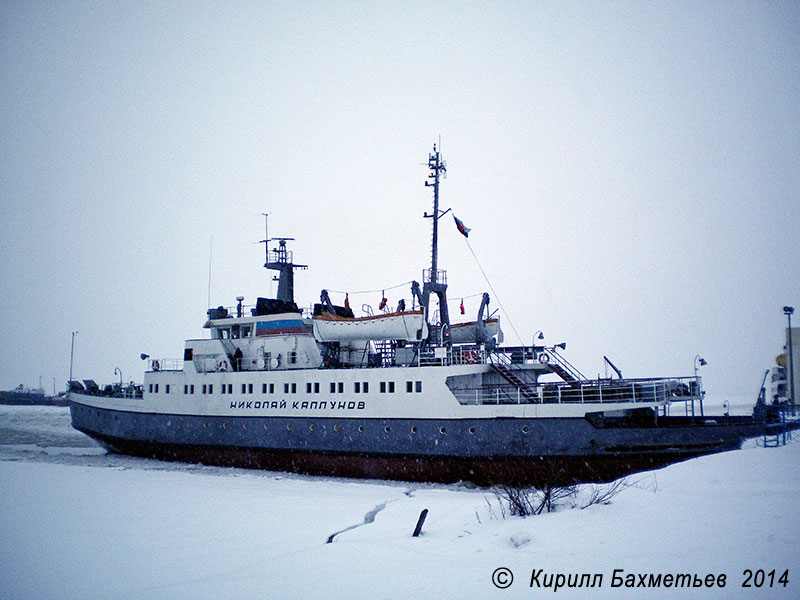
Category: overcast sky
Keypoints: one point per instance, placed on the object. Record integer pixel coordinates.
(630, 172)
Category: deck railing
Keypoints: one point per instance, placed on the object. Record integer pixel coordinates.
(166, 364)
(649, 391)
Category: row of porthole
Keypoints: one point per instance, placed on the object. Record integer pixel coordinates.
(313, 427)
(336, 427)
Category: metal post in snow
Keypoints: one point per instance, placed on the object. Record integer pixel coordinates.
(420, 522)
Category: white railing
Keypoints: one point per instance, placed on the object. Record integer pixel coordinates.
(646, 391)
(166, 364)
(446, 356)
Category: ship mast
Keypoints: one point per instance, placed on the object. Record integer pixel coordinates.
(280, 259)
(434, 280)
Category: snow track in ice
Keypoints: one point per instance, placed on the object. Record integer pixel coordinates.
(368, 518)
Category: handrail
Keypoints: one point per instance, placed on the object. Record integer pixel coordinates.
(505, 361)
(165, 364)
(604, 391)
(553, 355)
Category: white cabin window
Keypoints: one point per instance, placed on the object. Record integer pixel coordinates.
(292, 358)
(419, 387)
(357, 387)
(246, 330)
(391, 387)
(365, 387)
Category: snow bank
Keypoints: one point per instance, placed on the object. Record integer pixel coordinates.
(154, 530)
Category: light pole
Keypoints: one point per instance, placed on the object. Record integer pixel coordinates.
(118, 370)
(788, 310)
(699, 361)
(72, 354)
(536, 336)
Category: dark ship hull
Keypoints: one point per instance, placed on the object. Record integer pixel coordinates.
(498, 451)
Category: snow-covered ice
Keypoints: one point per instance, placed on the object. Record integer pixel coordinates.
(78, 523)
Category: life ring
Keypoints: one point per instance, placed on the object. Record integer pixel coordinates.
(544, 358)
(223, 365)
(156, 366)
(471, 357)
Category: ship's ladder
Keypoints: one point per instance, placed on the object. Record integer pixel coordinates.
(778, 430)
(560, 366)
(500, 364)
(387, 351)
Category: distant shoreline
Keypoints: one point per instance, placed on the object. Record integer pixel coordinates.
(17, 399)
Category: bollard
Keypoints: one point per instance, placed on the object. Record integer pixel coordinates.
(420, 522)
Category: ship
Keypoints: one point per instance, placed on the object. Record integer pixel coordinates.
(398, 393)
